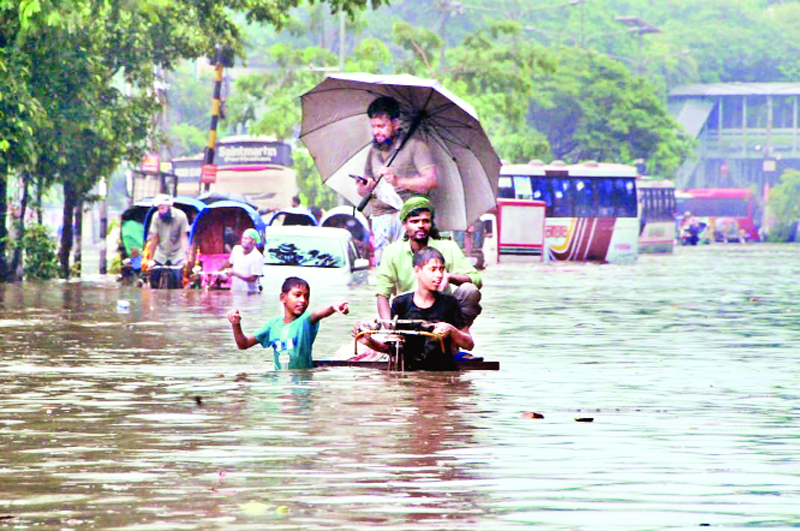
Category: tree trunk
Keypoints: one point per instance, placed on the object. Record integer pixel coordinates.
(77, 257)
(15, 272)
(103, 229)
(66, 229)
(3, 210)
(39, 210)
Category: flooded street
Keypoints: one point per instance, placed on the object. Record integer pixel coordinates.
(687, 364)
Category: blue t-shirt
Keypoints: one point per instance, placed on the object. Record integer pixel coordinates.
(291, 342)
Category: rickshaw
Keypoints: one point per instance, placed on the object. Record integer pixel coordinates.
(215, 231)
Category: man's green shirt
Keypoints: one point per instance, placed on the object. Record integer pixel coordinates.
(396, 272)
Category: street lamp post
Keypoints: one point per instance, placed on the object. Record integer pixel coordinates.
(640, 27)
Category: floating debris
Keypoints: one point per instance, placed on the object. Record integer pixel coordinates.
(532, 415)
(198, 400)
(584, 419)
(253, 508)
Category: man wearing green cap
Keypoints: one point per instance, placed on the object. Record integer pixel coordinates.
(245, 264)
(396, 271)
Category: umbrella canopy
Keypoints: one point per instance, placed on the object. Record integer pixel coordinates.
(337, 133)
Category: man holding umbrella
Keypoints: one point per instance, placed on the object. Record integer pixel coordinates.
(412, 171)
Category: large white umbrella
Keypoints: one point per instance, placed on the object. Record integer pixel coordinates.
(337, 133)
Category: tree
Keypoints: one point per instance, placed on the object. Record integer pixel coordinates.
(497, 70)
(20, 113)
(591, 108)
(81, 50)
(784, 207)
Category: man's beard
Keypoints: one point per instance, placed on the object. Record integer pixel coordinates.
(165, 217)
(423, 240)
(387, 142)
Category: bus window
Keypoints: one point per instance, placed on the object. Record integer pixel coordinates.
(605, 197)
(585, 198)
(630, 198)
(624, 198)
(522, 187)
(542, 192)
(563, 197)
(505, 188)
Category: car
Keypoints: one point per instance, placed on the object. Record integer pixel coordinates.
(323, 256)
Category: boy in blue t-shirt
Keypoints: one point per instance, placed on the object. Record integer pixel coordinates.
(292, 335)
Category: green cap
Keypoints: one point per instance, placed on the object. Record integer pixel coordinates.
(253, 233)
(415, 203)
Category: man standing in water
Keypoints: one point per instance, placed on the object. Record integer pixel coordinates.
(246, 263)
(168, 242)
(412, 171)
(396, 271)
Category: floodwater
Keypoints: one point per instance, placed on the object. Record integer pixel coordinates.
(687, 364)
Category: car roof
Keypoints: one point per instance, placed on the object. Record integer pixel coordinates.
(306, 230)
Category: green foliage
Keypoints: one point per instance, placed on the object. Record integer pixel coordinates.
(269, 102)
(63, 114)
(784, 206)
(309, 181)
(593, 109)
(423, 47)
(496, 70)
(187, 139)
(371, 55)
(39, 253)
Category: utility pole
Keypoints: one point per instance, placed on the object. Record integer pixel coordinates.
(222, 58)
(640, 27)
(341, 39)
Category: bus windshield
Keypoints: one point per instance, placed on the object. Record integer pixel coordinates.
(584, 197)
(715, 207)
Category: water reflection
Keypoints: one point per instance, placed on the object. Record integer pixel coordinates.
(138, 420)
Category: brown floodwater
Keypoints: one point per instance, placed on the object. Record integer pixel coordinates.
(687, 365)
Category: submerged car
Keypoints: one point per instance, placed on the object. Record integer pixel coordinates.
(322, 256)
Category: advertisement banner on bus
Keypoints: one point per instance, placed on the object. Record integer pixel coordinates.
(249, 152)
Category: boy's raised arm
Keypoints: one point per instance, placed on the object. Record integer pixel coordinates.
(327, 311)
(242, 341)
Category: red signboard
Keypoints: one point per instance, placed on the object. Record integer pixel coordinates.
(208, 173)
(151, 163)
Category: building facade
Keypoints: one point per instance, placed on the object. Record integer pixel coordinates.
(746, 134)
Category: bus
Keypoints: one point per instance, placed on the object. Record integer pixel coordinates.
(260, 168)
(657, 212)
(729, 212)
(590, 208)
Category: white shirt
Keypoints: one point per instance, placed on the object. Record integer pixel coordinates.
(248, 264)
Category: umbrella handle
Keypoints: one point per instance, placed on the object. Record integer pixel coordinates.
(363, 204)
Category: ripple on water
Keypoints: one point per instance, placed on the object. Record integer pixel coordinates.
(685, 363)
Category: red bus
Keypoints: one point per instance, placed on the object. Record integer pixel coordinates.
(731, 212)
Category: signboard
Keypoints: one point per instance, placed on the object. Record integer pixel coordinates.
(150, 163)
(208, 173)
(188, 169)
(249, 152)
